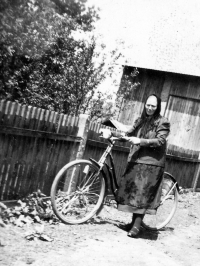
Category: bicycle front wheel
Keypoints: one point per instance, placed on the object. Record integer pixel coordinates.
(167, 207)
(77, 192)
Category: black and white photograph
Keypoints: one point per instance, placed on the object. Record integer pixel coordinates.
(99, 132)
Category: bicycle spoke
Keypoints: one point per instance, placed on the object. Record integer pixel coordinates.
(166, 209)
(78, 192)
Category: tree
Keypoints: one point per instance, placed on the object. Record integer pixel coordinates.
(129, 83)
(41, 62)
(77, 10)
(101, 106)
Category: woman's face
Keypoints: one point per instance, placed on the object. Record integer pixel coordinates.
(151, 105)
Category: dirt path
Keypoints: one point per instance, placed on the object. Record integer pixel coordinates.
(102, 242)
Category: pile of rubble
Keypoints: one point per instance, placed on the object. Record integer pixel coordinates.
(32, 212)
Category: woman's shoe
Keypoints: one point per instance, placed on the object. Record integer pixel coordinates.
(134, 232)
(126, 227)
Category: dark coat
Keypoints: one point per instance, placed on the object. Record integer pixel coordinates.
(152, 148)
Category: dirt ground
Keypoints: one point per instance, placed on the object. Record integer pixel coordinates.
(102, 242)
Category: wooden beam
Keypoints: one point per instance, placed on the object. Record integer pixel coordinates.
(180, 158)
(37, 134)
(104, 145)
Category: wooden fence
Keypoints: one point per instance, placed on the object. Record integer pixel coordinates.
(35, 143)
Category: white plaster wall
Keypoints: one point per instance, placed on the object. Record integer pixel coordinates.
(157, 34)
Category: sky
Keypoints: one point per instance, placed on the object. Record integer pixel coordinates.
(156, 34)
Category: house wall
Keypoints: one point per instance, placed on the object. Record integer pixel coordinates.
(149, 82)
(180, 96)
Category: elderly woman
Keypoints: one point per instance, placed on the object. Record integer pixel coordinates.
(140, 185)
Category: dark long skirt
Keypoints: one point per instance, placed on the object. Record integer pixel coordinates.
(140, 188)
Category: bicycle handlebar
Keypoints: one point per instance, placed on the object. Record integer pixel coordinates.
(112, 138)
(106, 134)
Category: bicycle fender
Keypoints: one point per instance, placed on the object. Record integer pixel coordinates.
(103, 172)
(106, 176)
(111, 180)
(171, 176)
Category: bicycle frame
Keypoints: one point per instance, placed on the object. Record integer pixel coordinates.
(111, 170)
(78, 205)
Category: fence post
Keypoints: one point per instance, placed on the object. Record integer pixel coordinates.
(83, 128)
(196, 177)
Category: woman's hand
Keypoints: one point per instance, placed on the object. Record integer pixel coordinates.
(133, 140)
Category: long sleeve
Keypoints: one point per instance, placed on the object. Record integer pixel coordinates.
(131, 131)
(159, 140)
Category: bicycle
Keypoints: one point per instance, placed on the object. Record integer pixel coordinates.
(80, 188)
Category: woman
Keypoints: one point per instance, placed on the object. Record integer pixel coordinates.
(140, 186)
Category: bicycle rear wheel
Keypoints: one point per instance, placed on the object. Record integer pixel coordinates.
(167, 207)
(77, 192)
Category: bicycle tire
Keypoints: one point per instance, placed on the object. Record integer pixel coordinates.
(166, 210)
(77, 192)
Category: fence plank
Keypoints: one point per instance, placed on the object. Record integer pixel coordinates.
(30, 157)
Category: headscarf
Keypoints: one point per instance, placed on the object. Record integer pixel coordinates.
(145, 122)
